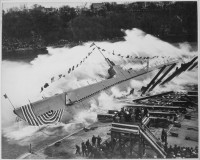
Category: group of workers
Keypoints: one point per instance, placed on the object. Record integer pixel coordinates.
(97, 149)
(130, 115)
(91, 149)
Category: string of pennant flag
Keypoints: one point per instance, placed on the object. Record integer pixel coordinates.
(71, 69)
(134, 57)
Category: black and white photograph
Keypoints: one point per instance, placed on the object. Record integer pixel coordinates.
(99, 79)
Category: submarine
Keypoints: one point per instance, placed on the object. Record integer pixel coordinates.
(58, 108)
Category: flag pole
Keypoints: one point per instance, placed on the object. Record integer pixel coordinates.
(11, 104)
(29, 101)
(106, 59)
(100, 51)
(9, 101)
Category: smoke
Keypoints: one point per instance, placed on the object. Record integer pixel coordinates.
(23, 81)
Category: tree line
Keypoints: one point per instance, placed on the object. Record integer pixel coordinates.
(103, 23)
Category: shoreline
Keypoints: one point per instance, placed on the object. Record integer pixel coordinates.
(28, 54)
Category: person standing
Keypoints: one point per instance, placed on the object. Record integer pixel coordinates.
(163, 135)
(107, 145)
(117, 118)
(137, 113)
(142, 113)
(122, 118)
(93, 140)
(78, 150)
(87, 143)
(83, 148)
(99, 141)
(133, 118)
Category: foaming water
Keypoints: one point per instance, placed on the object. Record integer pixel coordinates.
(23, 81)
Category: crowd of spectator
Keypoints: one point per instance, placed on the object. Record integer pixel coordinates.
(96, 149)
(181, 152)
(13, 44)
(66, 43)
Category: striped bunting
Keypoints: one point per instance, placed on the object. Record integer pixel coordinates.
(47, 118)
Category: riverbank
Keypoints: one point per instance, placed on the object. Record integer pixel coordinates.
(23, 54)
(28, 54)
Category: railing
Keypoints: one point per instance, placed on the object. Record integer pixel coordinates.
(144, 130)
(147, 129)
(153, 138)
(153, 143)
